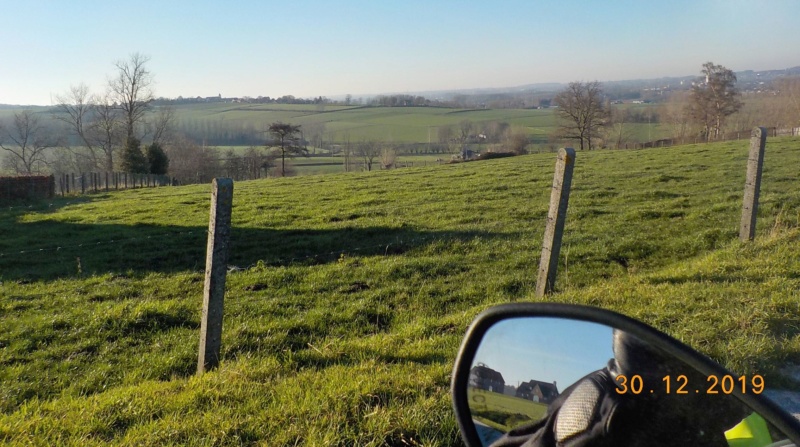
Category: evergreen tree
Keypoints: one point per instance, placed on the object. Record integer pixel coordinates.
(288, 144)
(133, 160)
(157, 159)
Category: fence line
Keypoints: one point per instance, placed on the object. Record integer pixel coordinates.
(369, 212)
(280, 260)
(734, 135)
(69, 183)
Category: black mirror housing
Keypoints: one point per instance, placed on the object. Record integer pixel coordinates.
(465, 368)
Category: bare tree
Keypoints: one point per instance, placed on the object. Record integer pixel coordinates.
(94, 120)
(516, 140)
(347, 151)
(445, 134)
(161, 125)
(447, 138)
(618, 130)
(582, 112)
(248, 166)
(465, 128)
(315, 132)
(368, 150)
(388, 158)
(495, 131)
(257, 162)
(285, 140)
(26, 142)
(131, 89)
(234, 166)
(75, 110)
(789, 92)
(676, 114)
(715, 99)
(191, 163)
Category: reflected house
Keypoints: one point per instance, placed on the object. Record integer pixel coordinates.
(485, 378)
(537, 391)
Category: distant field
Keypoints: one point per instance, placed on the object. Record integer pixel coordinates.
(386, 124)
(398, 125)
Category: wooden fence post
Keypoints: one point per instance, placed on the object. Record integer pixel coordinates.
(755, 163)
(556, 216)
(219, 232)
(83, 183)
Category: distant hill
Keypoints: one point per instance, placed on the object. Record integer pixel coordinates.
(746, 79)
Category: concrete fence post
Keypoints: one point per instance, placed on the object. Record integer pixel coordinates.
(556, 217)
(752, 185)
(217, 250)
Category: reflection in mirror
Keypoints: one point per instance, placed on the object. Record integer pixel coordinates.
(556, 381)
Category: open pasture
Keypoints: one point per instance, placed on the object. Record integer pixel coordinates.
(348, 294)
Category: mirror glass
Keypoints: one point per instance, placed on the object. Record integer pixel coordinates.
(571, 381)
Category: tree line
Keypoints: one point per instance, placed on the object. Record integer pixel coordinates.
(713, 106)
(116, 129)
(124, 129)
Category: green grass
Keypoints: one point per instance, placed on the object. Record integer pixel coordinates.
(390, 125)
(398, 125)
(348, 294)
(501, 411)
(386, 124)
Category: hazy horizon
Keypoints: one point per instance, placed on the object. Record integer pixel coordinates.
(312, 48)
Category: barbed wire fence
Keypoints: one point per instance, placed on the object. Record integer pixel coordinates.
(515, 230)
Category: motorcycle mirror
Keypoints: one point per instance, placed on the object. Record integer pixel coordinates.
(537, 374)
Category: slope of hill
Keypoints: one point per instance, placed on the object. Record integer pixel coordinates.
(348, 294)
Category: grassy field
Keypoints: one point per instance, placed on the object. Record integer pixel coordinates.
(390, 125)
(348, 294)
(386, 124)
(501, 411)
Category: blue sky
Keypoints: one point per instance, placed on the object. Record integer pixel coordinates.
(329, 48)
(545, 349)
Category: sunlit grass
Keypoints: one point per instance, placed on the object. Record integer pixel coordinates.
(348, 294)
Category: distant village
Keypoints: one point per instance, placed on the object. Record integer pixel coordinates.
(484, 378)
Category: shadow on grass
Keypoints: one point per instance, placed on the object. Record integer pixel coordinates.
(14, 208)
(709, 278)
(49, 250)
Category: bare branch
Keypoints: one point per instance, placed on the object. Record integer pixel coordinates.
(28, 141)
(132, 90)
(582, 112)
